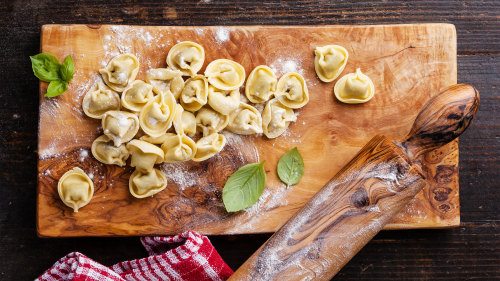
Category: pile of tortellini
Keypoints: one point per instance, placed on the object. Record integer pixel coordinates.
(151, 120)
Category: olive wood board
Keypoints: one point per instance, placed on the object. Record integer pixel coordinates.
(407, 63)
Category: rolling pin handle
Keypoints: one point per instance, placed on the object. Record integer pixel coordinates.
(442, 119)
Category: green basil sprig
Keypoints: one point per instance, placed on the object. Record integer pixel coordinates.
(244, 187)
(291, 167)
(47, 68)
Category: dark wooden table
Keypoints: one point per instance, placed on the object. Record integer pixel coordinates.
(468, 252)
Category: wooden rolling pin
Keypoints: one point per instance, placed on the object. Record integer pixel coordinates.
(361, 198)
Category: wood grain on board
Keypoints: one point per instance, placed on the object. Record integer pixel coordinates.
(407, 63)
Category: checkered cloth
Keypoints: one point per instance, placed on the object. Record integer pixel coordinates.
(195, 259)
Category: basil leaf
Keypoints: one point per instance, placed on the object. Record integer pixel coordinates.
(67, 69)
(45, 67)
(291, 167)
(244, 187)
(56, 88)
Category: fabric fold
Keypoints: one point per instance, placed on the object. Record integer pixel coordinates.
(187, 256)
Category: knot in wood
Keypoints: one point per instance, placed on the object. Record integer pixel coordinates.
(360, 198)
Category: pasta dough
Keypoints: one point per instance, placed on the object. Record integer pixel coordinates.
(184, 121)
(187, 57)
(99, 100)
(120, 71)
(261, 84)
(146, 184)
(120, 126)
(155, 140)
(330, 61)
(275, 118)
(292, 90)
(245, 120)
(75, 189)
(166, 80)
(354, 88)
(210, 121)
(136, 95)
(208, 146)
(144, 155)
(157, 116)
(195, 93)
(223, 101)
(178, 148)
(105, 152)
(225, 74)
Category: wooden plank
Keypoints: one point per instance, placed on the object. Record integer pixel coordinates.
(477, 22)
(408, 63)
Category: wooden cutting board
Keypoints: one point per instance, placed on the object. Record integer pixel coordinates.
(407, 63)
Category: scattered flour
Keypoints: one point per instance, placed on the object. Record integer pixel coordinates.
(270, 198)
(246, 150)
(283, 65)
(49, 152)
(198, 31)
(180, 174)
(83, 154)
(222, 35)
(16, 116)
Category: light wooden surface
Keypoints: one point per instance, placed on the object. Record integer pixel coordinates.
(407, 63)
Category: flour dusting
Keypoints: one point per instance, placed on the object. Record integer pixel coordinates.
(222, 35)
(83, 154)
(181, 174)
(246, 150)
(284, 65)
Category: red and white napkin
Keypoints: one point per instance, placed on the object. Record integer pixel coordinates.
(195, 259)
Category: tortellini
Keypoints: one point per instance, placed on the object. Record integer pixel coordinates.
(155, 140)
(275, 118)
(145, 184)
(184, 121)
(187, 57)
(120, 71)
(208, 146)
(157, 116)
(354, 88)
(166, 80)
(195, 93)
(330, 61)
(105, 152)
(245, 120)
(159, 119)
(120, 126)
(136, 95)
(223, 101)
(261, 84)
(292, 90)
(178, 148)
(225, 74)
(210, 121)
(144, 155)
(99, 100)
(75, 189)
